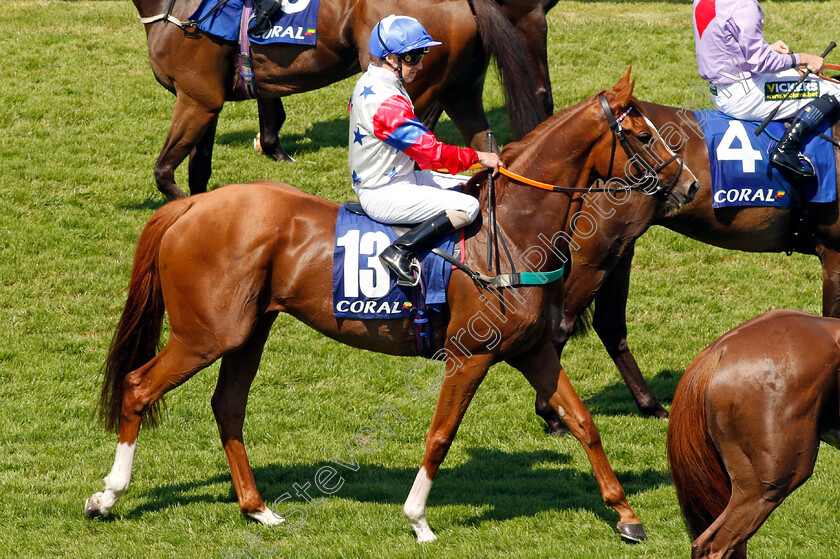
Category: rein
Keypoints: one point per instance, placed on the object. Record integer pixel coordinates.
(515, 279)
(618, 138)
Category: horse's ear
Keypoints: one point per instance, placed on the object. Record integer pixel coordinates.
(623, 90)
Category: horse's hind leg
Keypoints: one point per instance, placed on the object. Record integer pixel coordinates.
(765, 466)
(190, 121)
(201, 159)
(456, 392)
(229, 400)
(272, 116)
(142, 388)
(543, 370)
(610, 323)
(830, 260)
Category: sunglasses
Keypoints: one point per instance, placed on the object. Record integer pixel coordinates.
(413, 57)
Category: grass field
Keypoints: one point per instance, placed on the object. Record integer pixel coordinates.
(81, 123)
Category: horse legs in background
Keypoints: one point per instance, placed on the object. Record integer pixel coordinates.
(201, 159)
(609, 321)
(191, 121)
(543, 370)
(141, 389)
(462, 101)
(237, 371)
(272, 116)
(533, 32)
(830, 260)
(456, 392)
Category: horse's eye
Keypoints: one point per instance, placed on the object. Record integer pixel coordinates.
(645, 137)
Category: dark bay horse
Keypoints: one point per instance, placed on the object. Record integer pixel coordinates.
(746, 423)
(201, 71)
(223, 294)
(600, 270)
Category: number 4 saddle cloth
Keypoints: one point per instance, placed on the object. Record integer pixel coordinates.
(363, 288)
(740, 163)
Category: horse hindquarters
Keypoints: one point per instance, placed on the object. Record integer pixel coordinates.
(701, 483)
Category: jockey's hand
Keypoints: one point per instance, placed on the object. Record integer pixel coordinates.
(490, 160)
(813, 62)
(780, 47)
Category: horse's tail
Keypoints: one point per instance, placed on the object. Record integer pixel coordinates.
(500, 39)
(138, 332)
(702, 484)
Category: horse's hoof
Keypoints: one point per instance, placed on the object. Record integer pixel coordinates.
(558, 431)
(632, 532)
(173, 193)
(92, 509)
(267, 517)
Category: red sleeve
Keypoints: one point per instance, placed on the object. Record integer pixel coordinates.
(396, 124)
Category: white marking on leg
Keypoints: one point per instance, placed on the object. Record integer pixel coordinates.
(415, 506)
(116, 482)
(267, 517)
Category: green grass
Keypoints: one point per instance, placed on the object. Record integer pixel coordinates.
(82, 121)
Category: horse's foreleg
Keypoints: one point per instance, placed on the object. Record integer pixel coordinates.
(610, 323)
(142, 388)
(190, 121)
(543, 370)
(831, 281)
(201, 159)
(272, 116)
(229, 400)
(456, 392)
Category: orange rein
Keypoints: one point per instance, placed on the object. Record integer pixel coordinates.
(531, 182)
(828, 66)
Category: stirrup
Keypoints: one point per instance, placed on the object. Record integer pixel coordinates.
(415, 282)
(805, 163)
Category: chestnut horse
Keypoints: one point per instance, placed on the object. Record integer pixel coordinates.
(222, 295)
(781, 372)
(201, 71)
(600, 270)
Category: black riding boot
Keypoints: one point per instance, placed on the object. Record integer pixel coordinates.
(786, 153)
(399, 255)
(264, 11)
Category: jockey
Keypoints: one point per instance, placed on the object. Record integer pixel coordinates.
(745, 72)
(387, 140)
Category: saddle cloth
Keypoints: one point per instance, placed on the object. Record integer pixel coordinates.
(742, 174)
(296, 23)
(363, 288)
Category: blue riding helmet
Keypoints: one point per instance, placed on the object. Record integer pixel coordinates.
(399, 35)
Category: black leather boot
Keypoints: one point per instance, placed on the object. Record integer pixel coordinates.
(786, 152)
(264, 11)
(399, 255)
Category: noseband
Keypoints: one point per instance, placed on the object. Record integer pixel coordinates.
(639, 163)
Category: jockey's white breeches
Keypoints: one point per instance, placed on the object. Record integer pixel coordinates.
(416, 197)
(756, 97)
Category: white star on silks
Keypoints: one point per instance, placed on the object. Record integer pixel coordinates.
(366, 91)
(357, 136)
(356, 178)
(392, 174)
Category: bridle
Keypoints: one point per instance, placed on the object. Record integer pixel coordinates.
(635, 157)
